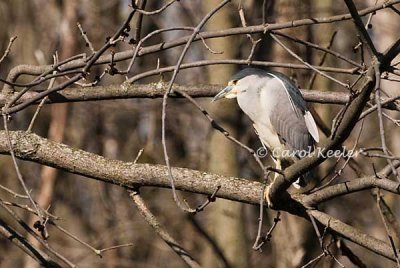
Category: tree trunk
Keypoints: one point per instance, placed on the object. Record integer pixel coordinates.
(224, 218)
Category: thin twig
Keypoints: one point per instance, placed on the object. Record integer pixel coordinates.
(322, 60)
(260, 219)
(74, 237)
(253, 42)
(35, 115)
(8, 49)
(260, 241)
(16, 238)
(139, 21)
(219, 128)
(366, 39)
(209, 200)
(144, 39)
(157, 11)
(116, 247)
(37, 237)
(161, 231)
(30, 210)
(13, 193)
(327, 49)
(375, 107)
(18, 172)
(378, 201)
(379, 112)
(316, 259)
(139, 154)
(164, 103)
(158, 71)
(84, 35)
(320, 238)
(306, 63)
(218, 251)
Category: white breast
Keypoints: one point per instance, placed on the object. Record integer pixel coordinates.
(270, 138)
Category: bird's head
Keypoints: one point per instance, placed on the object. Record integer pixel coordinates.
(229, 92)
(239, 83)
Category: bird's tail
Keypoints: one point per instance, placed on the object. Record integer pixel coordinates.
(307, 181)
(304, 180)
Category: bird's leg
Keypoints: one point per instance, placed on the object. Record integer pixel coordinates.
(266, 196)
(268, 188)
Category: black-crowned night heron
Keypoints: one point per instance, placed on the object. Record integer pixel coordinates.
(279, 114)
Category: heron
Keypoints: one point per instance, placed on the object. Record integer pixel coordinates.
(279, 114)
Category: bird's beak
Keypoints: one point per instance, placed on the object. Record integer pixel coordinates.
(222, 93)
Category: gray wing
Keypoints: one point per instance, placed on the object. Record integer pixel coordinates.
(291, 129)
(290, 115)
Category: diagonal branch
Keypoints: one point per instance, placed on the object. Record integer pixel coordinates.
(353, 234)
(42, 258)
(390, 54)
(161, 231)
(365, 38)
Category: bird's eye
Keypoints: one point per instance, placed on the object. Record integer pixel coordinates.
(234, 82)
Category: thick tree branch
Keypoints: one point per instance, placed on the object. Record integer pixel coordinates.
(352, 186)
(390, 54)
(354, 234)
(154, 90)
(31, 147)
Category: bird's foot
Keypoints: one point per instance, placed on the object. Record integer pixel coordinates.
(266, 196)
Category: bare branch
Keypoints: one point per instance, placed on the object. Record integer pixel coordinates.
(159, 71)
(352, 186)
(384, 220)
(18, 172)
(366, 39)
(32, 232)
(218, 251)
(34, 148)
(353, 234)
(8, 49)
(306, 63)
(161, 231)
(85, 37)
(127, 91)
(157, 11)
(165, 98)
(16, 238)
(79, 61)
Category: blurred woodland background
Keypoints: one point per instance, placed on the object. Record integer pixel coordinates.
(103, 215)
